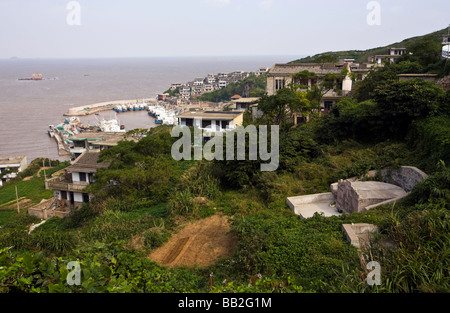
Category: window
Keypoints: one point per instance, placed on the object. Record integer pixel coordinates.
(328, 105)
(189, 121)
(85, 198)
(225, 124)
(206, 123)
(83, 177)
(279, 84)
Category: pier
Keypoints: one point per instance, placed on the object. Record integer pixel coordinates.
(103, 106)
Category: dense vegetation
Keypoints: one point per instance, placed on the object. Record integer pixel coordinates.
(363, 55)
(146, 194)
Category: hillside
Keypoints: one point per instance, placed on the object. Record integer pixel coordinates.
(362, 55)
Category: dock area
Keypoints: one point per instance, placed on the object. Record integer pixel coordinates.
(103, 106)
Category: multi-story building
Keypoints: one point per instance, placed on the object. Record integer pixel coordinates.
(11, 166)
(223, 83)
(211, 79)
(392, 54)
(69, 190)
(185, 92)
(261, 71)
(211, 122)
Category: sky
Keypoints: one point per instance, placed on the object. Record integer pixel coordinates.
(172, 28)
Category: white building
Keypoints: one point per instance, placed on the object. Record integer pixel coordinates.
(211, 79)
(261, 71)
(185, 92)
(223, 83)
(11, 166)
(69, 190)
(211, 121)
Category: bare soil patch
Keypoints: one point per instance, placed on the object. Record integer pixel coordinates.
(201, 242)
(23, 204)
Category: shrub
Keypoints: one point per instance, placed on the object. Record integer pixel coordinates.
(58, 242)
(182, 204)
(155, 237)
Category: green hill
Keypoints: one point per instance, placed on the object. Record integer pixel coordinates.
(362, 55)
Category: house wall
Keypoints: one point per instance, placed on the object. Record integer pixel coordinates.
(238, 121)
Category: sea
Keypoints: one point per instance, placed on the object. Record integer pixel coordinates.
(28, 107)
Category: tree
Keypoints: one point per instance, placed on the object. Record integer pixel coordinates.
(279, 108)
(426, 51)
(401, 102)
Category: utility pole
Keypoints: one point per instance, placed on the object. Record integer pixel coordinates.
(43, 166)
(17, 200)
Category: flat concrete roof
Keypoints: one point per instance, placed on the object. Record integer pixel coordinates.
(246, 100)
(11, 160)
(100, 138)
(307, 206)
(216, 115)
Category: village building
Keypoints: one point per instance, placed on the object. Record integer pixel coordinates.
(392, 54)
(211, 122)
(261, 71)
(244, 104)
(69, 189)
(94, 141)
(223, 83)
(211, 79)
(175, 86)
(198, 81)
(281, 76)
(11, 166)
(185, 92)
(208, 88)
(446, 47)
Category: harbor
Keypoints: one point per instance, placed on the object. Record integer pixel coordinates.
(105, 106)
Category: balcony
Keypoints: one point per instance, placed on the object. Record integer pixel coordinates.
(65, 184)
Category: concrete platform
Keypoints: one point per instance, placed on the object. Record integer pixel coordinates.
(307, 206)
(360, 235)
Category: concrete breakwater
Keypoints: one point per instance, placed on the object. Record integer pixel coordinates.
(103, 106)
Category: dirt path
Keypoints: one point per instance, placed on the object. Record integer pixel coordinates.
(202, 242)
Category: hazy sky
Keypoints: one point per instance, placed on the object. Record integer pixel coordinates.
(146, 28)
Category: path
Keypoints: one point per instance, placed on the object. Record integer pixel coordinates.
(202, 242)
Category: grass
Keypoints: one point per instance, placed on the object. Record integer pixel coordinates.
(5, 216)
(33, 189)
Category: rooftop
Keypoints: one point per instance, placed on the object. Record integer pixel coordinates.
(290, 69)
(11, 160)
(217, 115)
(250, 100)
(100, 138)
(87, 162)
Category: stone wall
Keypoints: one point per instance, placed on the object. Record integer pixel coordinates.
(357, 196)
(406, 177)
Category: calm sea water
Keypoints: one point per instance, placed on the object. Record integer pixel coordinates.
(28, 107)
